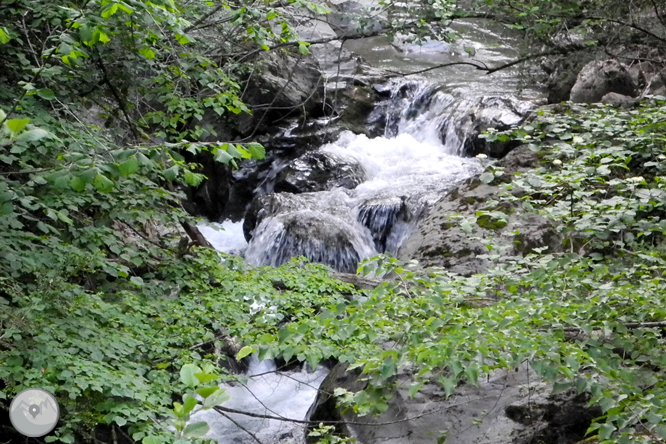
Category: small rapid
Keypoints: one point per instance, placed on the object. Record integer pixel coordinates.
(424, 153)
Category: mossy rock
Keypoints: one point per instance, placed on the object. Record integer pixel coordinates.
(490, 223)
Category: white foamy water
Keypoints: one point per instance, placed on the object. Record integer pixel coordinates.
(403, 166)
(226, 237)
(270, 393)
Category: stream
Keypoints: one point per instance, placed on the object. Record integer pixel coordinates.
(417, 161)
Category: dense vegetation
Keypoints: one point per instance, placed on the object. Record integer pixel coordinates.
(107, 300)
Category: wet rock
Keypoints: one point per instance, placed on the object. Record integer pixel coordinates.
(211, 197)
(599, 78)
(500, 113)
(320, 237)
(506, 408)
(619, 100)
(443, 240)
(657, 84)
(319, 171)
(265, 206)
(380, 216)
(319, 226)
(562, 75)
(282, 85)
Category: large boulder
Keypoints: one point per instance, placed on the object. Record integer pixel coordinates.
(441, 240)
(320, 226)
(599, 78)
(282, 85)
(657, 84)
(319, 171)
(479, 115)
(505, 408)
(320, 237)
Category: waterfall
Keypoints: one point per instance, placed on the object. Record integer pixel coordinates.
(414, 164)
(269, 392)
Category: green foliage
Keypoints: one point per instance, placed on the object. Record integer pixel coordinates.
(589, 318)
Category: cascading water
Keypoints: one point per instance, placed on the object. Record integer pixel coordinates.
(419, 159)
(266, 392)
(416, 162)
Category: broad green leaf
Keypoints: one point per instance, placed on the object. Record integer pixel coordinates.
(190, 402)
(103, 184)
(606, 430)
(152, 440)
(136, 280)
(206, 377)
(171, 173)
(219, 397)
(257, 151)
(32, 135)
(222, 156)
(187, 373)
(147, 53)
(487, 177)
(245, 351)
(205, 392)
(193, 179)
(129, 167)
(46, 94)
(196, 429)
(4, 36)
(16, 125)
(77, 183)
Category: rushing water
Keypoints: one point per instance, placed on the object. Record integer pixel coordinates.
(266, 392)
(417, 161)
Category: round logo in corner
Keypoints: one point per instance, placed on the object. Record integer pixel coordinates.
(34, 412)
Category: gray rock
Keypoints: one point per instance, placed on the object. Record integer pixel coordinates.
(442, 242)
(282, 85)
(506, 408)
(320, 237)
(657, 84)
(319, 171)
(619, 100)
(599, 78)
(265, 206)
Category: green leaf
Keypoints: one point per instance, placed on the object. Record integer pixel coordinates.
(206, 377)
(190, 403)
(187, 373)
(103, 184)
(136, 280)
(303, 48)
(152, 440)
(6, 208)
(147, 53)
(415, 387)
(205, 392)
(129, 167)
(487, 177)
(606, 430)
(245, 351)
(46, 94)
(196, 429)
(222, 156)
(32, 135)
(193, 179)
(4, 36)
(219, 397)
(257, 151)
(171, 173)
(16, 125)
(77, 183)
